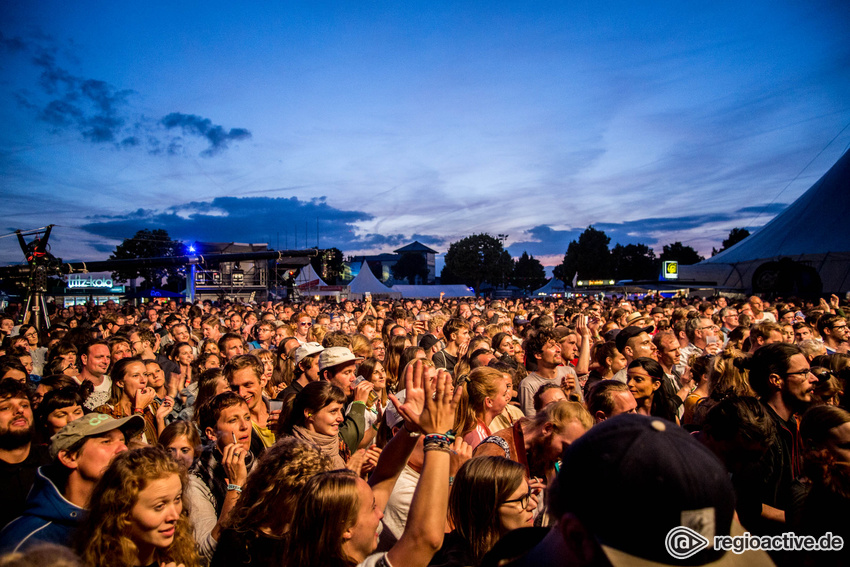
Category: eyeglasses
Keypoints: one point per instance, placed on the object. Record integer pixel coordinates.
(834, 327)
(805, 372)
(523, 500)
(305, 324)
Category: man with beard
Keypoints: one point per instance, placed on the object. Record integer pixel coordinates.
(81, 453)
(537, 442)
(543, 350)
(781, 377)
(19, 457)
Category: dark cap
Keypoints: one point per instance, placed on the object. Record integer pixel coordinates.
(625, 334)
(642, 477)
(428, 341)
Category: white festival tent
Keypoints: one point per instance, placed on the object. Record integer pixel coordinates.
(308, 282)
(307, 279)
(553, 286)
(433, 291)
(804, 250)
(367, 282)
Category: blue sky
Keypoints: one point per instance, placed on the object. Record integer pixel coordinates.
(385, 122)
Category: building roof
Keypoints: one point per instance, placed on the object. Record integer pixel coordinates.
(415, 246)
(228, 247)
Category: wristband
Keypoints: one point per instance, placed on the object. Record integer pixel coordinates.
(358, 402)
(437, 442)
(234, 488)
(139, 410)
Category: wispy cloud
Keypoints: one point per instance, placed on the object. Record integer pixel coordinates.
(216, 135)
(102, 113)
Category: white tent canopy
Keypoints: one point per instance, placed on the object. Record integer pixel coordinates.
(433, 291)
(367, 282)
(308, 280)
(804, 247)
(554, 285)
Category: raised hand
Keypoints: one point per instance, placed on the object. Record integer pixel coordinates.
(233, 460)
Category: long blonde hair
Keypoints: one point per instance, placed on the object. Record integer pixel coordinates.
(102, 539)
(482, 383)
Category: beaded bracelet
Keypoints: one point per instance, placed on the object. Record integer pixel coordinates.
(437, 441)
(432, 437)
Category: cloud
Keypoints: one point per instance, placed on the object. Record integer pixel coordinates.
(216, 135)
(102, 113)
(281, 222)
(12, 44)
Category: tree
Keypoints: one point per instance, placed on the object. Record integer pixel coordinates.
(476, 259)
(677, 251)
(328, 264)
(528, 273)
(736, 235)
(588, 257)
(148, 244)
(410, 266)
(634, 262)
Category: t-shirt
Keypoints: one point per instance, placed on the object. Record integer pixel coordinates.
(264, 433)
(445, 360)
(398, 505)
(529, 386)
(17, 480)
(100, 395)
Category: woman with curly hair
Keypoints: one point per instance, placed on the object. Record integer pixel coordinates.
(136, 515)
(255, 533)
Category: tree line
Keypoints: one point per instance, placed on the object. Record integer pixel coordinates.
(482, 258)
(477, 261)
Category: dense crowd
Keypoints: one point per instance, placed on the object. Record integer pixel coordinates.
(537, 432)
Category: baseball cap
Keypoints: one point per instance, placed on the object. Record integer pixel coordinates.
(625, 334)
(643, 477)
(427, 341)
(306, 350)
(92, 425)
(335, 356)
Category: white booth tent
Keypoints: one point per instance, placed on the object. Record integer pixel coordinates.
(553, 286)
(433, 291)
(308, 282)
(805, 249)
(367, 282)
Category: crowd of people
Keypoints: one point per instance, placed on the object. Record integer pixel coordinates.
(452, 432)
